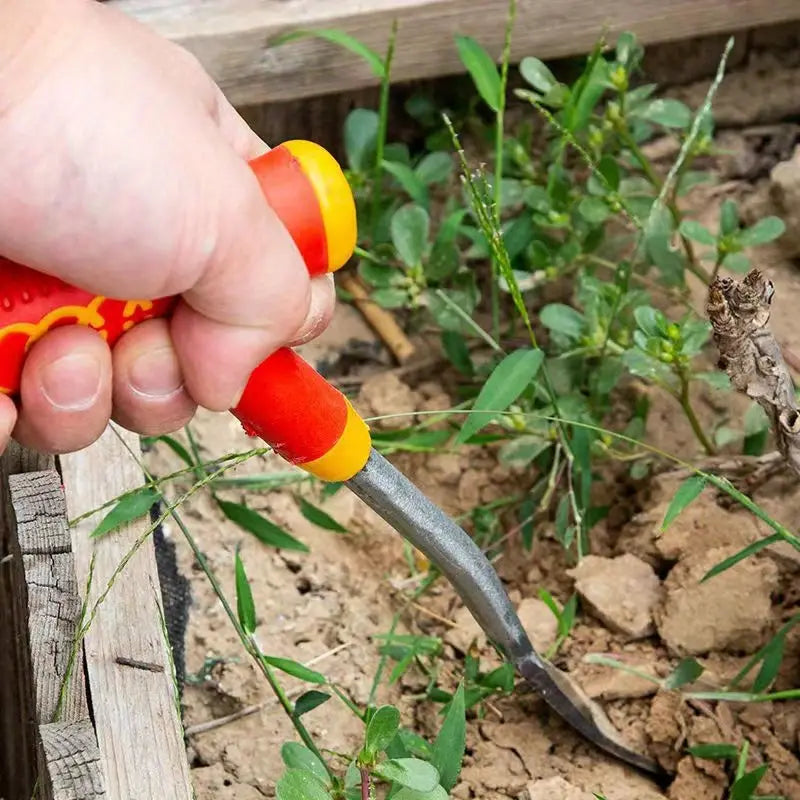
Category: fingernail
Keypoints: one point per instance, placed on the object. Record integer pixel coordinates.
(323, 299)
(72, 382)
(156, 373)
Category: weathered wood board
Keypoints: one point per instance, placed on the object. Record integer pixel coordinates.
(17, 723)
(231, 38)
(128, 666)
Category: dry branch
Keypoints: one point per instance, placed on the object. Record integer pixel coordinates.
(739, 313)
(381, 321)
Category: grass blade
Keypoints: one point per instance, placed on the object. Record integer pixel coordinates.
(508, 381)
(264, 530)
(448, 749)
(319, 517)
(245, 607)
(130, 507)
(687, 493)
(343, 40)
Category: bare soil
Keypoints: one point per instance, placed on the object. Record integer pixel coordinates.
(642, 600)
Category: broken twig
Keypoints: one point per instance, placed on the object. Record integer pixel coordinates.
(739, 313)
(382, 322)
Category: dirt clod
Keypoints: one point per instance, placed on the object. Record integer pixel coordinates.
(539, 622)
(608, 683)
(621, 592)
(465, 632)
(385, 395)
(730, 612)
(691, 782)
(554, 789)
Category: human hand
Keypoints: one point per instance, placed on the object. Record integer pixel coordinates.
(124, 172)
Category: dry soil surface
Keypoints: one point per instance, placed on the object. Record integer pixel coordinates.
(642, 602)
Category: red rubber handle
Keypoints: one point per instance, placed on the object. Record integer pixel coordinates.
(286, 402)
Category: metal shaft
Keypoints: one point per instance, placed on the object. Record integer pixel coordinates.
(388, 492)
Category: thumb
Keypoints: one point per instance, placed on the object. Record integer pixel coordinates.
(252, 296)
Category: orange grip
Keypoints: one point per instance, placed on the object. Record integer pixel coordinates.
(286, 402)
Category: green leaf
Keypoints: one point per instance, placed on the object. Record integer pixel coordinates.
(245, 607)
(609, 169)
(728, 217)
(410, 794)
(409, 180)
(298, 756)
(687, 493)
(130, 507)
(482, 69)
(409, 229)
(295, 669)
(650, 320)
(717, 380)
(659, 247)
(714, 751)
(594, 210)
(771, 663)
(455, 347)
(522, 450)
(693, 230)
(508, 381)
(736, 262)
(264, 530)
(296, 784)
(563, 319)
(537, 74)
(412, 773)
(687, 671)
(667, 112)
(379, 275)
(434, 167)
(448, 749)
(319, 517)
(756, 430)
(745, 787)
(343, 40)
(360, 138)
(389, 298)
(310, 700)
(443, 261)
(744, 553)
(765, 230)
(382, 728)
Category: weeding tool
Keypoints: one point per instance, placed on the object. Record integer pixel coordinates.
(310, 423)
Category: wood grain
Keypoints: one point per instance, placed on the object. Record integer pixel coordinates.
(138, 729)
(69, 749)
(231, 38)
(17, 723)
(54, 603)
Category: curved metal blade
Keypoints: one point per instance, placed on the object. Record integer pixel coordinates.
(388, 492)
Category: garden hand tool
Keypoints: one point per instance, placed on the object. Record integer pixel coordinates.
(309, 422)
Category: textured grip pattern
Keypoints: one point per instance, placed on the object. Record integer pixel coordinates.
(286, 402)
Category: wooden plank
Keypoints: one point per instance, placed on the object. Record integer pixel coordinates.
(231, 37)
(54, 603)
(72, 772)
(17, 722)
(139, 734)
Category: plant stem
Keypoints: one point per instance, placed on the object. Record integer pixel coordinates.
(715, 271)
(383, 124)
(672, 207)
(499, 134)
(248, 642)
(686, 405)
(364, 783)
